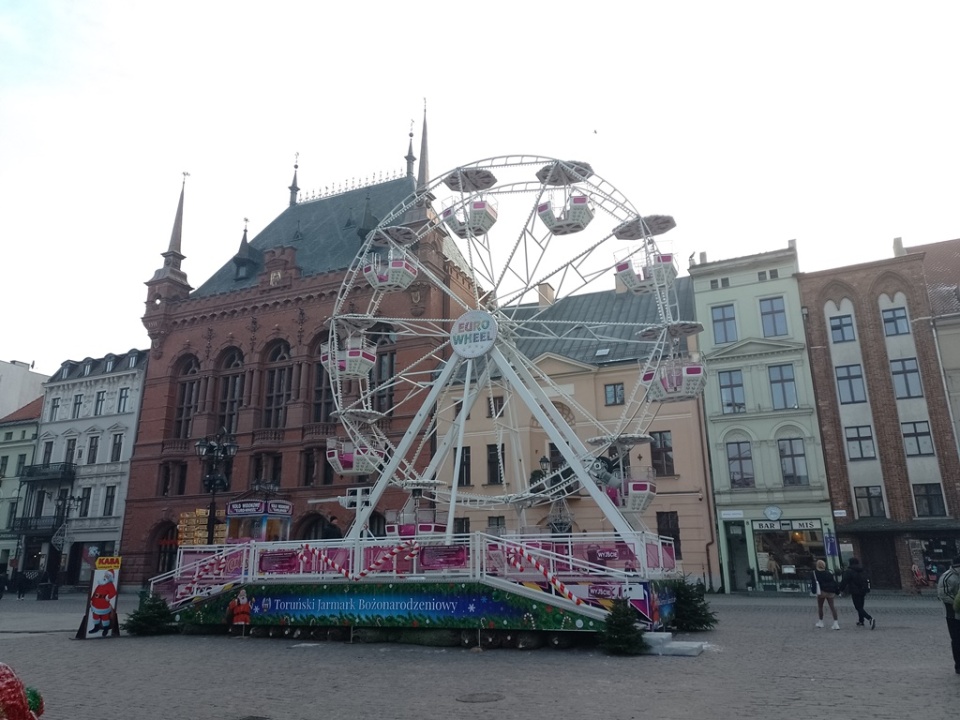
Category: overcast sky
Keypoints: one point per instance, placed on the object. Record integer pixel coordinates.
(751, 123)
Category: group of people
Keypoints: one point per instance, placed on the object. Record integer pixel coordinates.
(854, 582)
(20, 583)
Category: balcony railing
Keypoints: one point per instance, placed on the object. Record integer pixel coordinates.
(45, 525)
(50, 471)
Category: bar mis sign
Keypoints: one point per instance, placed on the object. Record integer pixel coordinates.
(473, 334)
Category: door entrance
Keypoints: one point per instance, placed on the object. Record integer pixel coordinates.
(738, 560)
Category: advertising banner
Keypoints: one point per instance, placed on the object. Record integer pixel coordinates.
(100, 619)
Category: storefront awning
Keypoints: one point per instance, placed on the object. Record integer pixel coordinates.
(884, 525)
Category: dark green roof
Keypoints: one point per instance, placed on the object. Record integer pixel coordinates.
(621, 314)
(324, 232)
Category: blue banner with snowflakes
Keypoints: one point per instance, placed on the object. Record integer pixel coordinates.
(422, 605)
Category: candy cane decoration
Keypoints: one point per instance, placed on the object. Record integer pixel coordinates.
(552, 579)
(512, 558)
(407, 544)
(335, 566)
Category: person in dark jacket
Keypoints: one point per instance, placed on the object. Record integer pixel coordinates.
(854, 582)
(826, 592)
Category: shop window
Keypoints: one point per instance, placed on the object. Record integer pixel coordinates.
(668, 525)
(740, 464)
(929, 499)
(869, 501)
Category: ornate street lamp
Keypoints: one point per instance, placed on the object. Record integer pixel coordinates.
(216, 457)
(544, 465)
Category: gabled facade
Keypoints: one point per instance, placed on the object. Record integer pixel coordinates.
(886, 421)
(73, 493)
(769, 482)
(18, 441)
(243, 353)
(597, 378)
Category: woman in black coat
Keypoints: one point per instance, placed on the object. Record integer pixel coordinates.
(854, 581)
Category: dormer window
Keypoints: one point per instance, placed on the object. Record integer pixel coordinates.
(86, 369)
(109, 366)
(132, 361)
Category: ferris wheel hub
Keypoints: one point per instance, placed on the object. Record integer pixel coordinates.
(474, 334)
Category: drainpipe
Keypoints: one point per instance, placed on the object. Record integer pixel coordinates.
(708, 478)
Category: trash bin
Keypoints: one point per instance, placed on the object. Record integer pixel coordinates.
(45, 591)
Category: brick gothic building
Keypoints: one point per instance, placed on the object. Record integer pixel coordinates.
(889, 448)
(242, 352)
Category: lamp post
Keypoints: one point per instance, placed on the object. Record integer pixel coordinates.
(216, 458)
(544, 465)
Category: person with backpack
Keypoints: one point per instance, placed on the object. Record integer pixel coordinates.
(947, 589)
(855, 582)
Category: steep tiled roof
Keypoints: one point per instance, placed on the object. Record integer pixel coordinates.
(941, 266)
(30, 411)
(324, 233)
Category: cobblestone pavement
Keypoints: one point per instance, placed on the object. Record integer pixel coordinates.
(764, 660)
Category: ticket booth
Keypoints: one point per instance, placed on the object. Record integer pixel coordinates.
(258, 520)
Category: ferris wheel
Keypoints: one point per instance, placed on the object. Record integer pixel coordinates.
(518, 249)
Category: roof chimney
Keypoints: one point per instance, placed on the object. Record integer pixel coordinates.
(703, 257)
(792, 244)
(546, 295)
(898, 247)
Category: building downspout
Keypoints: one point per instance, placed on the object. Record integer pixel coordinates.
(708, 478)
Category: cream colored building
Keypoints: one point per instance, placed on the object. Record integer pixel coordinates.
(598, 380)
(769, 482)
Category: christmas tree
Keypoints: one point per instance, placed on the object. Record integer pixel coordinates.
(621, 634)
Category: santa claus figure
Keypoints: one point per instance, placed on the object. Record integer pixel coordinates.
(238, 611)
(101, 603)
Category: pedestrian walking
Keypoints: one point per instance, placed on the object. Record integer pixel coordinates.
(20, 583)
(825, 588)
(856, 583)
(947, 588)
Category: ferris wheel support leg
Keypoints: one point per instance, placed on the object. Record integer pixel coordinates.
(455, 482)
(539, 404)
(413, 431)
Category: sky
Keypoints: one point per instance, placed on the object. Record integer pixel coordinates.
(752, 123)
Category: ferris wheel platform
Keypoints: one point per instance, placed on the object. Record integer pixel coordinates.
(479, 582)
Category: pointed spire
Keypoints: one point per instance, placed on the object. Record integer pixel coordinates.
(293, 187)
(177, 234)
(424, 176)
(410, 158)
(172, 257)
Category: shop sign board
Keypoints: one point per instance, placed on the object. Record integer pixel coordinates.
(780, 525)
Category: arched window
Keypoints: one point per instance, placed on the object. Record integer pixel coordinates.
(188, 397)
(381, 377)
(276, 386)
(322, 392)
(230, 390)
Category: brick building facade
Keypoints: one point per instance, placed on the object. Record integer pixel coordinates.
(242, 353)
(888, 443)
